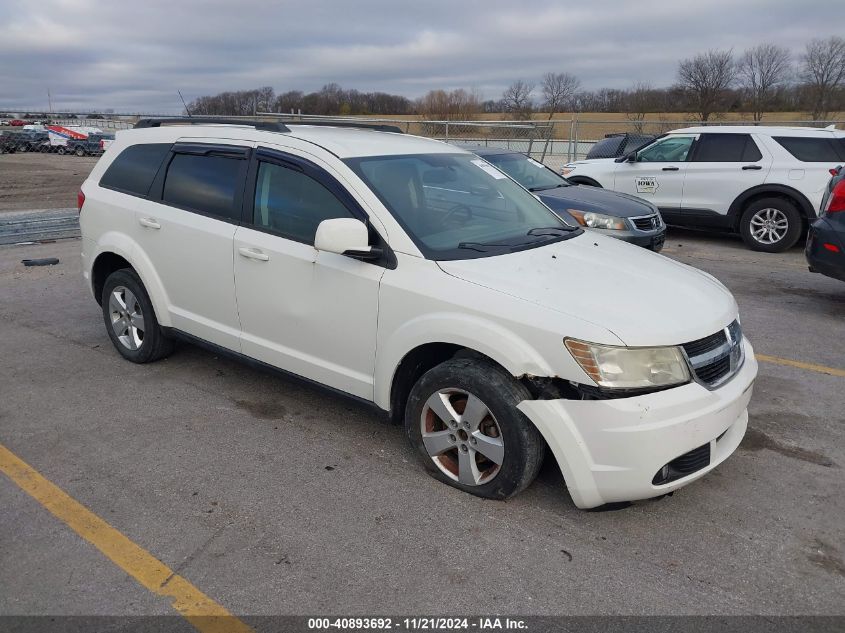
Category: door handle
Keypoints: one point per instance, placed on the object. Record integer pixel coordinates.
(150, 223)
(755, 167)
(670, 169)
(254, 253)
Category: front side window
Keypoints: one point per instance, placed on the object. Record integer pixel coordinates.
(812, 150)
(527, 172)
(204, 183)
(291, 203)
(457, 206)
(669, 149)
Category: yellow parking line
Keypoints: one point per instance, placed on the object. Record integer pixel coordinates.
(201, 611)
(801, 365)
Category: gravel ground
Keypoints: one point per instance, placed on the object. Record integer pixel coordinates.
(41, 181)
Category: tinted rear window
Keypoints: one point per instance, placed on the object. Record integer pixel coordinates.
(203, 183)
(135, 168)
(726, 148)
(813, 150)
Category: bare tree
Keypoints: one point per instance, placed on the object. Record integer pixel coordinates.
(823, 72)
(761, 70)
(639, 101)
(558, 90)
(706, 78)
(517, 99)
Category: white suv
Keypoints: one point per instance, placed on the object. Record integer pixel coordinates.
(490, 328)
(765, 182)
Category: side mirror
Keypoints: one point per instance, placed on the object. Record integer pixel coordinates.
(627, 158)
(345, 236)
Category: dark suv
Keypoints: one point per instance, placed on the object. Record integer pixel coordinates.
(616, 145)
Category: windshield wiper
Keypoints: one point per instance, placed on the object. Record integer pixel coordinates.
(551, 230)
(562, 184)
(482, 247)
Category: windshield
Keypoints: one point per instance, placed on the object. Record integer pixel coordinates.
(457, 206)
(527, 171)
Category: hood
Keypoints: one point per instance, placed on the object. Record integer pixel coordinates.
(584, 198)
(643, 298)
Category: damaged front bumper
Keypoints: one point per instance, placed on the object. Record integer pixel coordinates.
(616, 450)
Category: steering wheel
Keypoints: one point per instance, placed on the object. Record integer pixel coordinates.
(660, 158)
(458, 208)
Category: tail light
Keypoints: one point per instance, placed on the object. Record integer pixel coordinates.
(836, 201)
(80, 200)
(102, 144)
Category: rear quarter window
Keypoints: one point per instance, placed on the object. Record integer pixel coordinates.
(813, 150)
(135, 168)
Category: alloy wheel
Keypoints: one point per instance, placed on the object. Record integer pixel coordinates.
(769, 225)
(127, 319)
(462, 437)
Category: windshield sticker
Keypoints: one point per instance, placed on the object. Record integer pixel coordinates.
(489, 169)
(646, 185)
(535, 163)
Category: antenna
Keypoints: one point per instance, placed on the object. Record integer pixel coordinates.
(183, 102)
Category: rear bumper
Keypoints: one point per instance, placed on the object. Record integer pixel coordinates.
(611, 450)
(820, 259)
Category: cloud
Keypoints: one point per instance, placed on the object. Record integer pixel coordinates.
(135, 56)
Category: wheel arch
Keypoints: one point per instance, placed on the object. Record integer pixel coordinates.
(805, 208)
(117, 251)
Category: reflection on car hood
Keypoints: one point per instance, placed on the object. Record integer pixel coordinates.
(585, 198)
(641, 297)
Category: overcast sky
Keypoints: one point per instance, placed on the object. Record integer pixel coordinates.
(134, 56)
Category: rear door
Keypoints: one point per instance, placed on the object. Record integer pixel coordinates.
(721, 167)
(187, 232)
(658, 173)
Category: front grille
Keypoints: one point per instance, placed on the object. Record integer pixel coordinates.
(646, 223)
(686, 464)
(715, 358)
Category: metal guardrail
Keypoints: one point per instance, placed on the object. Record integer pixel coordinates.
(38, 225)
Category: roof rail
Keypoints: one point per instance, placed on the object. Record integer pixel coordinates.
(326, 122)
(269, 126)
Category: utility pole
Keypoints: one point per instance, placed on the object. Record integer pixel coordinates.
(50, 100)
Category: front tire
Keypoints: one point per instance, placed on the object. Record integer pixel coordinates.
(770, 225)
(461, 419)
(130, 319)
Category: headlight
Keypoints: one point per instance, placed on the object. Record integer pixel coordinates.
(630, 367)
(598, 220)
(567, 169)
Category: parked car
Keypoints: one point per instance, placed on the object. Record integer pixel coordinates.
(4, 122)
(763, 182)
(32, 141)
(8, 142)
(17, 122)
(491, 328)
(93, 145)
(614, 214)
(616, 145)
(825, 249)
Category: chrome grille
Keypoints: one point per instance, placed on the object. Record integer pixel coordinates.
(716, 358)
(646, 222)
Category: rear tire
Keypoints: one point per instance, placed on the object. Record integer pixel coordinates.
(130, 319)
(770, 225)
(80, 152)
(60, 150)
(491, 450)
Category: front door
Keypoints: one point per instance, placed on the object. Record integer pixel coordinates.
(310, 313)
(657, 174)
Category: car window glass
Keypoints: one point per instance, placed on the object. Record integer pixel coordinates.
(203, 183)
(135, 168)
(528, 172)
(292, 203)
(811, 150)
(726, 148)
(667, 149)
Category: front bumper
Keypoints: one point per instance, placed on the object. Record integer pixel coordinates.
(611, 450)
(652, 240)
